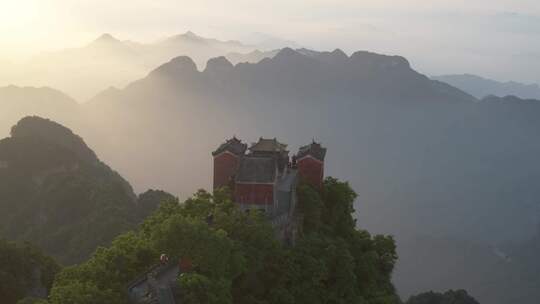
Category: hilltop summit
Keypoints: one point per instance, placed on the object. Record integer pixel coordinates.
(106, 38)
(48, 130)
(56, 193)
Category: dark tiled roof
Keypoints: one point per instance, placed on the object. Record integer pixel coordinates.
(257, 170)
(233, 145)
(268, 145)
(314, 149)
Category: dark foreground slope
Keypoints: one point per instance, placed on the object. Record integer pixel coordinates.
(55, 192)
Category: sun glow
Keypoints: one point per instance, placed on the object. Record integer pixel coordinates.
(22, 24)
(16, 15)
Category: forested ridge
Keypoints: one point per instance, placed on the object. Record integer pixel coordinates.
(57, 194)
(25, 272)
(236, 258)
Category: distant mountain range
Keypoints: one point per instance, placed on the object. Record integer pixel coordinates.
(507, 274)
(482, 87)
(251, 57)
(18, 102)
(107, 61)
(425, 157)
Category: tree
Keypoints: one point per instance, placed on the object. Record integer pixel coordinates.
(107, 272)
(339, 206)
(19, 264)
(83, 293)
(199, 289)
(449, 297)
(150, 200)
(32, 301)
(237, 259)
(312, 208)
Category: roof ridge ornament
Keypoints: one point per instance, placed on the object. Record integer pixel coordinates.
(234, 145)
(314, 149)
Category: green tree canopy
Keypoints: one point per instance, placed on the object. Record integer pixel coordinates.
(23, 268)
(237, 259)
(449, 297)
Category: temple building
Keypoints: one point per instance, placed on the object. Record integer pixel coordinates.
(310, 163)
(261, 177)
(264, 177)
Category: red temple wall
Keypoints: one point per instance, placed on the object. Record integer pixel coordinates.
(257, 194)
(225, 165)
(311, 171)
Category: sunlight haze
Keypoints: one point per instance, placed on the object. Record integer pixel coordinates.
(426, 32)
(269, 151)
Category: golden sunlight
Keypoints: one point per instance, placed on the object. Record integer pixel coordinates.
(14, 15)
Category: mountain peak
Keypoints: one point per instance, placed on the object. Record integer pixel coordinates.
(183, 62)
(481, 87)
(218, 64)
(339, 53)
(287, 52)
(379, 61)
(507, 99)
(106, 38)
(37, 127)
(336, 56)
(177, 65)
(190, 34)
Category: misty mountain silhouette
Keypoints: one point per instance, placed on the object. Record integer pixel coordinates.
(362, 75)
(106, 39)
(108, 61)
(482, 87)
(251, 57)
(425, 157)
(507, 99)
(190, 36)
(17, 102)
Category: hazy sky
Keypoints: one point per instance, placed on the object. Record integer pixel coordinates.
(494, 38)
